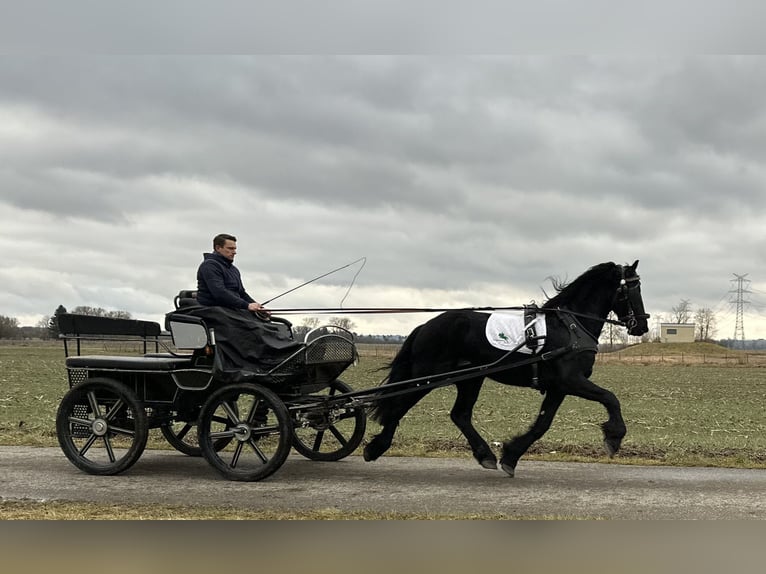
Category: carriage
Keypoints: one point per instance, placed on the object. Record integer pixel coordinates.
(244, 411)
(243, 421)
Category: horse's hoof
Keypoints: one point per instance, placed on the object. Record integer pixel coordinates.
(509, 470)
(368, 456)
(489, 463)
(611, 450)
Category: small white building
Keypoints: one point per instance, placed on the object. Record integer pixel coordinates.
(677, 332)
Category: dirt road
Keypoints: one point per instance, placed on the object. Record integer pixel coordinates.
(437, 487)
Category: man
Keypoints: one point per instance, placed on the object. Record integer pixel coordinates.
(218, 280)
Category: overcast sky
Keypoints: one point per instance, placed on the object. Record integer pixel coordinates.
(464, 180)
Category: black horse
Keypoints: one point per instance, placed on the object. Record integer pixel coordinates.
(455, 342)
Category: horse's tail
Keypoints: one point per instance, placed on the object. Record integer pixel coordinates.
(400, 369)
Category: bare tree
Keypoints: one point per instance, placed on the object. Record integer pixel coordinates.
(613, 335)
(300, 331)
(101, 312)
(9, 327)
(342, 322)
(42, 327)
(682, 312)
(705, 324)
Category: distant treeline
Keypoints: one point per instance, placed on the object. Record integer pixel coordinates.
(746, 345)
(47, 327)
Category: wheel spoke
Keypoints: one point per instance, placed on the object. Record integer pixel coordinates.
(122, 431)
(264, 431)
(228, 433)
(93, 402)
(236, 455)
(258, 451)
(318, 440)
(89, 443)
(251, 414)
(79, 421)
(184, 431)
(337, 434)
(109, 449)
(115, 409)
(230, 412)
(222, 420)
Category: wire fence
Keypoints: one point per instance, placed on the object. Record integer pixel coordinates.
(383, 350)
(726, 359)
(388, 351)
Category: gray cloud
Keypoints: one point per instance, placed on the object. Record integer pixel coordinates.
(456, 176)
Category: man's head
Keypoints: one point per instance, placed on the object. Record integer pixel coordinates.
(226, 245)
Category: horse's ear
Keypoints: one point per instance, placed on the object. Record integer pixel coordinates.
(635, 264)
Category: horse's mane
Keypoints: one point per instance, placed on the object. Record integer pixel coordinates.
(566, 292)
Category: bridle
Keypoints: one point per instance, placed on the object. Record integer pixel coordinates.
(628, 292)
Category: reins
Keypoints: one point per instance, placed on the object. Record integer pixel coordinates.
(403, 310)
(626, 286)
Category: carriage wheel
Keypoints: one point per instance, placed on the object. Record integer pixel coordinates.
(102, 426)
(329, 434)
(182, 436)
(257, 424)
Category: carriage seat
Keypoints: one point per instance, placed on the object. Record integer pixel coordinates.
(186, 298)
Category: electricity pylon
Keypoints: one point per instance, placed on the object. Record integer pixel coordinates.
(739, 322)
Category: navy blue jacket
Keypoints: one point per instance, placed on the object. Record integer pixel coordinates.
(220, 284)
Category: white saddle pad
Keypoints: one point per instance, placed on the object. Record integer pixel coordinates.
(505, 330)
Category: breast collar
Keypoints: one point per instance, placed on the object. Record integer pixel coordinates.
(580, 339)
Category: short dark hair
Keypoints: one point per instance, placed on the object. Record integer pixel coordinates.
(220, 239)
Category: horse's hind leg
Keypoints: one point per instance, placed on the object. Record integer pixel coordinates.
(517, 446)
(390, 412)
(381, 442)
(467, 393)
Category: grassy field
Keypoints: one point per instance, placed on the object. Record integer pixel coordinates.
(701, 414)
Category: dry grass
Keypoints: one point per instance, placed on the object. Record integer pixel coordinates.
(31, 510)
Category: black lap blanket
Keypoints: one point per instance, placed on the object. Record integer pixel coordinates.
(243, 341)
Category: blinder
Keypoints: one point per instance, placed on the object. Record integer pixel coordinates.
(628, 292)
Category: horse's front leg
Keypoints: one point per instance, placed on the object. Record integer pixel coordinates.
(517, 446)
(467, 393)
(614, 428)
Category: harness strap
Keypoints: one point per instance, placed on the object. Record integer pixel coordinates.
(530, 330)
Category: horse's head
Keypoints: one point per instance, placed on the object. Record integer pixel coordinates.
(628, 304)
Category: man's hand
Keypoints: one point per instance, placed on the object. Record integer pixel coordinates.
(259, 310)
